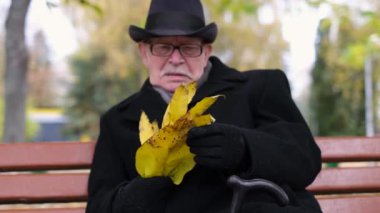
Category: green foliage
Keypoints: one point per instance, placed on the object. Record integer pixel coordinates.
(338, 76)
(315, 3)
(237, 7)
(95, 90)
(106, 68)
(32, 129)
(243, 41)
(83, 3)
(1, 117)
(2, 67)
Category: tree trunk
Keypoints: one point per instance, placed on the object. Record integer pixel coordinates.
(16, 65)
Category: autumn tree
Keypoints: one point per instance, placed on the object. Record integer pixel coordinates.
(1, 68)
(1, 88)
(106, 67)
(16, 67)
(244, 41)
(41, 92)
(16, 63)
(338, 75)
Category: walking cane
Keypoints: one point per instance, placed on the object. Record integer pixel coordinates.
(240, 187)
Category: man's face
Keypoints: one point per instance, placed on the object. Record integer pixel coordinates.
(168, 71)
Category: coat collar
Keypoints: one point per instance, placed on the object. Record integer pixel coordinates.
(221, 78)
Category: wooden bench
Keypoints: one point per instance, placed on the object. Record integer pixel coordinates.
(52, 177)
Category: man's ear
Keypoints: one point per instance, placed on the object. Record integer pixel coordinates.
(143, 53)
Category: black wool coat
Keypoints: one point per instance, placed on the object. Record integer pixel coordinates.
(279, 143)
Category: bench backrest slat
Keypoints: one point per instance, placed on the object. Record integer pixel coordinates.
(41, 156)
(63, 155)
(50, 210)
(31, 188)
(69, 155)
(354, 204)
(347, 180)
(345, 149)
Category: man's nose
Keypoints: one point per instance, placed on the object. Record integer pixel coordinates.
(176, 57)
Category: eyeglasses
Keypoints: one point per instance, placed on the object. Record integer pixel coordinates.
(186, 50)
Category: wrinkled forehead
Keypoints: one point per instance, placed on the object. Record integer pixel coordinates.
(176, 40)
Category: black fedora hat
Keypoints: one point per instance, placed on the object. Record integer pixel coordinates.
(175, 18)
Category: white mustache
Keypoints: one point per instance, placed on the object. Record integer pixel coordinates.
(176, 72)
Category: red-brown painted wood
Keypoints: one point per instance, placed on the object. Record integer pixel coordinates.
(347, 180)
(39, 156)
(32, 188)
(337, 149)
(48, 210)
(352, 204)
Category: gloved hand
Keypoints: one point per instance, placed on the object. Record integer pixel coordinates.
(218, 146)
(143, 195)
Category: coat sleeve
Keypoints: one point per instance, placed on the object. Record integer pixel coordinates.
(281, 147)
(111, 188)
(106, 174)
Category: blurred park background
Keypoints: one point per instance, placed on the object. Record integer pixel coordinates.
(65, 62)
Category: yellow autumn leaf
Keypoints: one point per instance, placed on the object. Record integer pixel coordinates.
(203, 120)
(146, 129)
(202, 106)
(164, 151)
(178, 105)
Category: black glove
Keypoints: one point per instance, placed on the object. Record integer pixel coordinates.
(218, 146)
(143, 195)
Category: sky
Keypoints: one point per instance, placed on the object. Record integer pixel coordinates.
(300, 30)
(53, 22)
(58, 28)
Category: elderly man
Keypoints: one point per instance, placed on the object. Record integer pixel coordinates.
(258, 133)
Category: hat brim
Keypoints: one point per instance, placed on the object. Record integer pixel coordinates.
(207, 33)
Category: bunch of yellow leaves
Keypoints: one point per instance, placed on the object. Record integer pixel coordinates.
(164, 151)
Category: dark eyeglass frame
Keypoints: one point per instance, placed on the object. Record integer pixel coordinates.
(181, 49)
